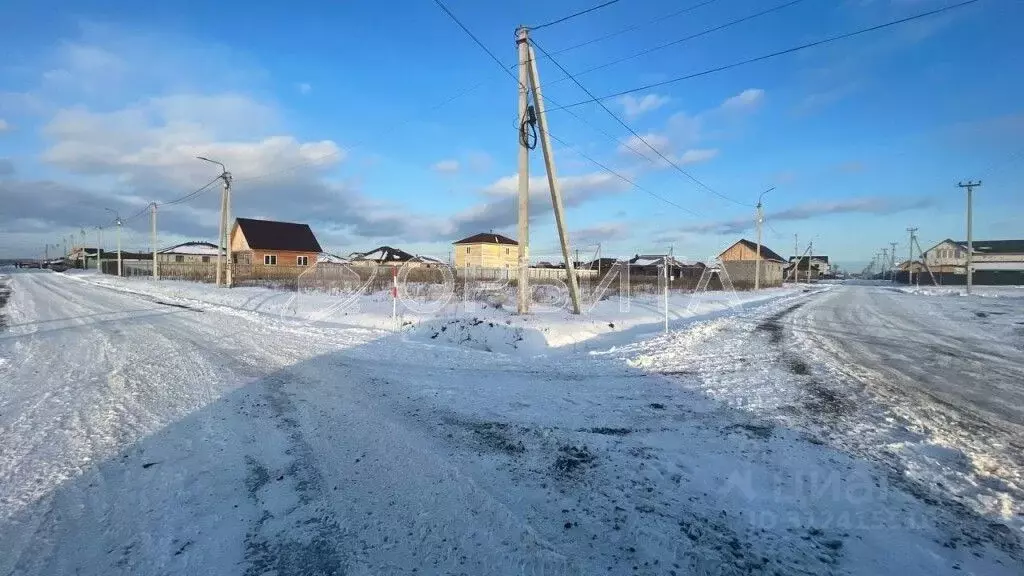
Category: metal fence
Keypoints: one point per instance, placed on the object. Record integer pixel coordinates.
(327, 277)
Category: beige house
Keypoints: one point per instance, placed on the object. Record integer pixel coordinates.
(740, 261)
(487, 250)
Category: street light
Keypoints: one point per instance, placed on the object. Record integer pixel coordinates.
(223, 239)
(760, 218)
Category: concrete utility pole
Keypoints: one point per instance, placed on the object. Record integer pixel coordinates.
(892, 266)
(224, 236)
(120, 269)
(117, 220)
(910, 262)
(549, 162)
(152, 241)
(523, 294)
(665, 265)
(810, 254)
(885, 261)
(759, 218)
(99, 249)
(970, 186)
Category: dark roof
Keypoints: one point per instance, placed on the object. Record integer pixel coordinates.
(487, 238)
(766, 252)
(383, 254)
(273, 235)
(995, 246)
(603, 263)
(802, 258)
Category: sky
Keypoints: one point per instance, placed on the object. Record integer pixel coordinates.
(385, 123)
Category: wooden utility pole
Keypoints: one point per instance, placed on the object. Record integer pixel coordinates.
(549, 164)
(970, 186)
(523, 293)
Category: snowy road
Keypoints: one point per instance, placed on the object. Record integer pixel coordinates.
(968, 357)
(141, 435)
(947, 370)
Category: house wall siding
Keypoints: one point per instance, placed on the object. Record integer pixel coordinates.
(738, 252)
(486, 256)
(741, 272)
(238, 241)
(285, 258)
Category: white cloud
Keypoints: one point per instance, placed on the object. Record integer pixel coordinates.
(305, 88)
(634, 106)
(4, 126)
(498, 211)
(749, 99)
(160, 138)
(449, 166)
(697, 155)
(635, 145)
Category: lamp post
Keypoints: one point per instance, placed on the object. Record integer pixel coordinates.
(760, 219)
(224, 236)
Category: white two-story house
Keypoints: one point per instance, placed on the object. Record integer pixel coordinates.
(950, 256)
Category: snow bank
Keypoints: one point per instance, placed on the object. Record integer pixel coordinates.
(980, 291)
(480, 324)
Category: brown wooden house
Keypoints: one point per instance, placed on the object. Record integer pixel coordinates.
(268, 243)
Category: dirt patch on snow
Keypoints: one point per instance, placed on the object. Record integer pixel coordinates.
(489, 335)
(573, 461)
(773, 323)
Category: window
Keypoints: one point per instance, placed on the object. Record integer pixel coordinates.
(506, 251)
(467, 249)
(270, 259)
(302, 260)
(179, 258)
(206, 258)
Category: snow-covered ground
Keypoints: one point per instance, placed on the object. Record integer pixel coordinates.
(486, 322)
(165, 428)
(979, 291)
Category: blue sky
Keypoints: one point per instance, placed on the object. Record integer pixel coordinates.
(341, 114)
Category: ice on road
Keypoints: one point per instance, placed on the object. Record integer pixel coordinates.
(141, 435)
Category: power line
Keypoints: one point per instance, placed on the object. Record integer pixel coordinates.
(634, 132)
(774, 54)
(552, 136)
(620, 176)
(477, 40)
(190, 195)
(574, 15)
(634, 27)
(686, 38)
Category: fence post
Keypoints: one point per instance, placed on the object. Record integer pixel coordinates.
(394, 297)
